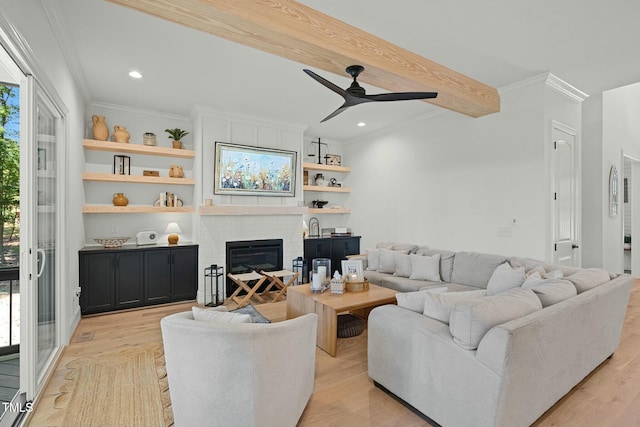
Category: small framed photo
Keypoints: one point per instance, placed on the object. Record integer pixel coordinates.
(333, 159)
(353, 267)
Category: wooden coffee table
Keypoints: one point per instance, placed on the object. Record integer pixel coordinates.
(300, 300)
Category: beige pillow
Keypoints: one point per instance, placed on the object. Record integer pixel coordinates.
(425, 267)
(414, 301)
(403, 265)
(504, 278)
(554, 291)
(373, 259)
(588, 278)
(471, 320)
(439, 305)
(218, 316)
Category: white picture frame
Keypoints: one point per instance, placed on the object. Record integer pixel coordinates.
(352, 266)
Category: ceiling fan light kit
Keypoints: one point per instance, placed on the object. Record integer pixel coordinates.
(356, 94)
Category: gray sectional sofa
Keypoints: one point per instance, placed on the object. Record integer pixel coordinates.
(499, 355)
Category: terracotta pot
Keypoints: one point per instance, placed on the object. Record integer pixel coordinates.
(120, 134)
(119, 199)
(177, 144)
(100, 129)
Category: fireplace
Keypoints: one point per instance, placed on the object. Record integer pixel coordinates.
(249, 255)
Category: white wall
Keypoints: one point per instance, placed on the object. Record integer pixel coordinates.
(453, 182)
(593, 210)
(620, 134)
(51, 70)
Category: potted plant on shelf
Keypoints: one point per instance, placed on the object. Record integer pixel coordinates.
(176, 134)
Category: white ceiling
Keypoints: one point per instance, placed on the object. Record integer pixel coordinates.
(591, 44)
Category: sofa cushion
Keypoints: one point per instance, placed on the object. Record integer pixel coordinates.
(438, 305)
(588, 278)
(403, 265)
(504, 278)
(218, 316)
(387, 261)
(446, 261)
(529, 264)
(474, 269)
(470, 320)
(554, 291)
(414, 301)
(375, 277)
(373, 258)
(404, 284)
(425, 267)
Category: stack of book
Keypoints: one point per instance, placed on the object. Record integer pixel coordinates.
(168, 199)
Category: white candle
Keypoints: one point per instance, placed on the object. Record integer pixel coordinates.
(315, 283)
(322, 272)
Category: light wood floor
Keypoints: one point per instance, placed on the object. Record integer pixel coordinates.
(345, 396)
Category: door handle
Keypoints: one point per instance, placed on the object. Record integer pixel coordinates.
(43, 256)
(574, 246)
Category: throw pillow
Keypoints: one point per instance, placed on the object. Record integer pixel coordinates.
(439, 305)
(403, 265)
(387, 261)
(532, 280)
(504, 278)
(219, 316)
(553, 292)
(553, 274)
(373, 259)
(425, 267)
(471, 320)
(588, 278)
(414, 301)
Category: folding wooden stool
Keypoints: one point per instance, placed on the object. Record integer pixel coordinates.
(275, 277)
(244, 282)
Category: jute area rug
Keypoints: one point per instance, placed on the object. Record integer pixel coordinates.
(124, 388)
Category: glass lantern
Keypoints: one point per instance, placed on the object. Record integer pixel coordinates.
(321, 274)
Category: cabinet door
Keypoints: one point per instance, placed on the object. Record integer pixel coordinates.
(343, 247)
(129, 279)
(184, 266)
(97, 282)
(317, 248)
(157, 276)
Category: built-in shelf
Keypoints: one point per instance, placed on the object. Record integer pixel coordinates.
(136, 179)
(149, 150)
(316, 211)
(326, 168)
(253, 210)
(323, 189)
(94, 209)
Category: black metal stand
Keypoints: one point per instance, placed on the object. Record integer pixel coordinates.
(212, 276)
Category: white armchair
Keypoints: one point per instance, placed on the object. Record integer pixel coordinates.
(239, 374)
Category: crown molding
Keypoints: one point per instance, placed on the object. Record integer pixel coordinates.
(559, 85)
(138, 110)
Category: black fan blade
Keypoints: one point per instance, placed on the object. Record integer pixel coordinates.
(335, 113)
(401, 96)
(327, 83)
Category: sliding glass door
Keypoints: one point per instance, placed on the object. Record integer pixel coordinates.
(40, 235)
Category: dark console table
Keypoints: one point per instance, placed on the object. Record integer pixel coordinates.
(334, 248)
(136, 276)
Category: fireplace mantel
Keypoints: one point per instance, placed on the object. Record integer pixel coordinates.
(253, 210)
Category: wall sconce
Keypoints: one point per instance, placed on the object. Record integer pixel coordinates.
(121, 165)
(173, 229)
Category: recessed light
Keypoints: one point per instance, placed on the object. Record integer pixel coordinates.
(362, 124)
(135, 74)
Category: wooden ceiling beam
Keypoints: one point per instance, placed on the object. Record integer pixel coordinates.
(297, 32)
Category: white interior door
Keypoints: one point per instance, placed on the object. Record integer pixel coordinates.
(565, 213)
(634, 200)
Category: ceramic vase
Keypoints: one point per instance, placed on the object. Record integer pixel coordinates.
(119, 199)
(100, 129)
(149, 138)
(120, 134)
